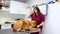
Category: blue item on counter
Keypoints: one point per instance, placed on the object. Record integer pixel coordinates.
(51, 2)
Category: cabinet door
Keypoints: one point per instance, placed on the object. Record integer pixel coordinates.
(17, 8)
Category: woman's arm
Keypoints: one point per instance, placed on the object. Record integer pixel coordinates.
(40, 24)
(43, 21)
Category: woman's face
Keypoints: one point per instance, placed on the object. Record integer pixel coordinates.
(35, 10)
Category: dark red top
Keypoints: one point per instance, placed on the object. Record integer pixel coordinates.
(39, 18)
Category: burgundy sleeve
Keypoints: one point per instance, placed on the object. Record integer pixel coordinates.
(43, 17)
(31, 15)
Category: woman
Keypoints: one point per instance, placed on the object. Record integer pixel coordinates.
(38, 17)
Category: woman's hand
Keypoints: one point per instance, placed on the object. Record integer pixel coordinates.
(40, 25)
(30, 14)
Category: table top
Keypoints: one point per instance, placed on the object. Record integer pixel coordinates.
(9, 31)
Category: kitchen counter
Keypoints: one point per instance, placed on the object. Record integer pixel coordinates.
(9, 31)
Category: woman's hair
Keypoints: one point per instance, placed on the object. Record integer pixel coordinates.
(38, 10)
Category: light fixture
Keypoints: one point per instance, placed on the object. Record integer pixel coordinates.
(58, 0)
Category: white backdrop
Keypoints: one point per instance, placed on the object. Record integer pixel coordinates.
(52, 24)
(43, 9)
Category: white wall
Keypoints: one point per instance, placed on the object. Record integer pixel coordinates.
(43, 9)
(52, 24)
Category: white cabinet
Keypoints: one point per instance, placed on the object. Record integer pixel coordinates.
(6, 26)
(18, 7)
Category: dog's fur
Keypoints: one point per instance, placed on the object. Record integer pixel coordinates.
(20, 25)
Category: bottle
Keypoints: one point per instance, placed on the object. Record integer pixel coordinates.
(3, 2)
